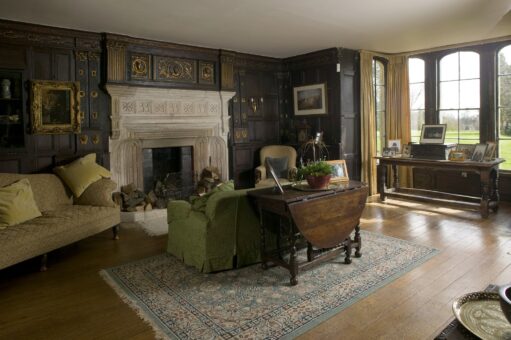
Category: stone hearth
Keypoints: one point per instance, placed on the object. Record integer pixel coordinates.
(153, 117)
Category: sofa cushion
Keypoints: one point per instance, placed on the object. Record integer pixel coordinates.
(81, 173)
(41, 185)
(279, 165)
(98, 194)
(17, 204)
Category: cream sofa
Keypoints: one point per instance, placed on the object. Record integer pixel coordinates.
(61, 223)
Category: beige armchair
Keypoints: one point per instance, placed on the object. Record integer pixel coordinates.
(277, 152)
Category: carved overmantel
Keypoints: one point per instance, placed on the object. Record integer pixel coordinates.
(154, 117)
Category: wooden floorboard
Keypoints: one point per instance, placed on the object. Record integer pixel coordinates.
(71, 301)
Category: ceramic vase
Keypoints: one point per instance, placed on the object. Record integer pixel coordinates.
(318, 182)
(5, 88)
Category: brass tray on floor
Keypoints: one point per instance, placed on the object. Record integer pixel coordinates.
(481, 314)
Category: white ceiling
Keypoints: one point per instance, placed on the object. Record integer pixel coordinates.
(279, 28)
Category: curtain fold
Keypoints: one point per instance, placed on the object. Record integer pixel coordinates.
(367, 122)
(398, 108)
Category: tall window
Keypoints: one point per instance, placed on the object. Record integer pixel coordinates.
(504, 106)
(417, 101)
(379, 95)
(459, 97)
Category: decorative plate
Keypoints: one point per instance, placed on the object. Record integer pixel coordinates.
(481, 314)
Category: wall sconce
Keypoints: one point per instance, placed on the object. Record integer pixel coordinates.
(255, 103)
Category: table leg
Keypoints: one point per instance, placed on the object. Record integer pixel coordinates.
(485, 197)
(358, 241)
(396, 176)
(347, 248)
(382, 170)
(293, 266)
(264, 265)
(495, 197)
(309, 252)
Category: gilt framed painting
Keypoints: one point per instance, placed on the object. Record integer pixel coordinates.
(55, 107)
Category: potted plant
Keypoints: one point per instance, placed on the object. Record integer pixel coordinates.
(316, 173)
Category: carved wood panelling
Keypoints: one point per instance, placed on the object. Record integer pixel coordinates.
(175, 70)
(140, 66)
(116, 59)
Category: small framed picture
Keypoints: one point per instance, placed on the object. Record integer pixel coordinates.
(468, 149)
(339, 172)
(395, 144)
(479, 152)
(457, 155)
(310, 100)
(433, 134)
(407, 151)
(388, 152)
(490, 151)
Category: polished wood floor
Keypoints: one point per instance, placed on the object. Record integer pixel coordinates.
(71, 301)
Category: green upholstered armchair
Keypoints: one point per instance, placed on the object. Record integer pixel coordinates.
(221, 234)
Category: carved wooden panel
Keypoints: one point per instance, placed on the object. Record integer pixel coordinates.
(140, 66)
(81, 75)
(206, 72)
(175, 70)
(96, 114)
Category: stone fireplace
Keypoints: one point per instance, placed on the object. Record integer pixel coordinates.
(147, 118)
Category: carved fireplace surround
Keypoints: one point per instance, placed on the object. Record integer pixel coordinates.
(153, 117)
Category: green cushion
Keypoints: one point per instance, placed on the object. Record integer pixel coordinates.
(98, 194)
(17, 204)
(81, 173)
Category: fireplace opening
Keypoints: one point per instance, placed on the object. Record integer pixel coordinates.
(168, 173)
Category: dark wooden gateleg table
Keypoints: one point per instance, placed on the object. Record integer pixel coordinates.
(488, 174)
(322, 221)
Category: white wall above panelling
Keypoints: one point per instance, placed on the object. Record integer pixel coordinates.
(279, 28)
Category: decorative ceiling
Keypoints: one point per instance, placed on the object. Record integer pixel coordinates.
(279, 28)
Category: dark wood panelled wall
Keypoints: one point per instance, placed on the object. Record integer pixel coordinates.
(44, 53)
(261, 111)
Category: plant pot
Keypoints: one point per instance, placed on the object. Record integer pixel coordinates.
(318, 182)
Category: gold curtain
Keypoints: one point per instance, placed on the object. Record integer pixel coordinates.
(367, 121)
(397, 123)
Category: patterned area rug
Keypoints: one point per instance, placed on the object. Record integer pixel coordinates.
(181, 303)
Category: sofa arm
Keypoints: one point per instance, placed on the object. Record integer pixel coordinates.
(178, 210)
(98, 194)
(260, 173)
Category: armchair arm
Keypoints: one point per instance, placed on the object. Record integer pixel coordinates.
(178, 210)
(260, 173)
(291, 173)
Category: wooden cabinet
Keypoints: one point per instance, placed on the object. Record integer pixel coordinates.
(11, 109)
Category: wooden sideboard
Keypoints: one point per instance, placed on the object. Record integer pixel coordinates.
(488, 174)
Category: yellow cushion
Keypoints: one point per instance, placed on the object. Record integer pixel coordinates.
(17, 204)
(81, 173)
